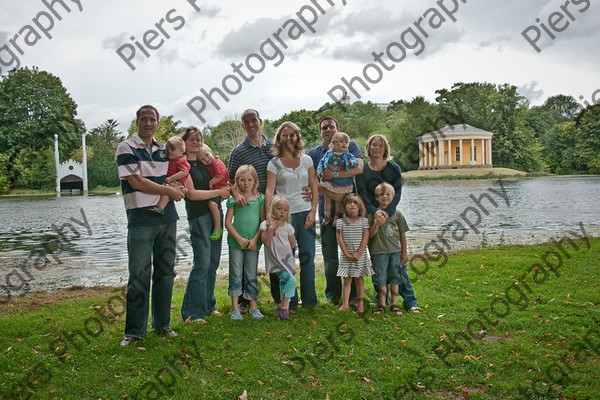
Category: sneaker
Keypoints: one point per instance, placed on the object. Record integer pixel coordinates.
(236, 315)
(256, 314)
(415, 309)
(216, 234)
(157, 210)
(283, 314)
(168, 331)
(127, 340)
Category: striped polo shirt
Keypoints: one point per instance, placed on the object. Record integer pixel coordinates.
(248, 154)
(134, 157)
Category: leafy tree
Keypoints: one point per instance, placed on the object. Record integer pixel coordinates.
(102, 168)
(4, 182)
(34, 106)
(559, 144)
(564, 105)
(37, 169)
(587, 147)
(102, 143)
(225, 136)
(107, 134)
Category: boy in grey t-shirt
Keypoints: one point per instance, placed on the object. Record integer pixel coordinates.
(389, 255)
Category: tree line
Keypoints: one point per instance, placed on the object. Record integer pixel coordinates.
(560, 136)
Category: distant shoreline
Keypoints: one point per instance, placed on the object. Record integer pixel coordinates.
(468, 173)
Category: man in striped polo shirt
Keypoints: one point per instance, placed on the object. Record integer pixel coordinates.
(142, 164)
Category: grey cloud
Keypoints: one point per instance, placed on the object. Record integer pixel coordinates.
(114, 42)
(246, 40)
(530, 92)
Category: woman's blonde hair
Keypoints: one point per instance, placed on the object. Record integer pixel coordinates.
(362, 210)
(276, 200)
(339, 136)
(247, 169)
(277, 148)
(386, 146)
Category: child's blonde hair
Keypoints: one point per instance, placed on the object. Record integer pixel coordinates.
(384, 187)
(276, 200)
(362, 210)
(205, 148)
(174, 143)
(247, 169)
(339, 137)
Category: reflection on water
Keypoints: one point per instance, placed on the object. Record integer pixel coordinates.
(519, 211)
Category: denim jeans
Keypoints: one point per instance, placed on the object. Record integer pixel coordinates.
(406, 290)
(305, 240)
(243, 265)
(199, 298)
(151, 252)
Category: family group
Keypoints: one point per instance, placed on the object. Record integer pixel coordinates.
(273, 189)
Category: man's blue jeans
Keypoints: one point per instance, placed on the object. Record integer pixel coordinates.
(151, 250)
(199, 298)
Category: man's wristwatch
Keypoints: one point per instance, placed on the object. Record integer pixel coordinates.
(336, 174)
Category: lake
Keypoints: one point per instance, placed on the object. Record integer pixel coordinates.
(91, 230)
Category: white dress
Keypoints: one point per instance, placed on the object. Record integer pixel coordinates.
(352, 233)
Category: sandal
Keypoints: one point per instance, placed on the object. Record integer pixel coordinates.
(360, 310)
(380, 308)
(216, 234)
(343, 308)
(395, 309)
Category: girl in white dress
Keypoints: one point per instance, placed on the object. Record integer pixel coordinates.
(352, 232)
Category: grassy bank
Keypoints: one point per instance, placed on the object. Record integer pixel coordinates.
(465, 173)
(36, 192)
(539, 305)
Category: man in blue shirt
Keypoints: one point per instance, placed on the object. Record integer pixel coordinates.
(327, 127)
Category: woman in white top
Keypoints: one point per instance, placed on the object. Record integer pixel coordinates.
(288, 172)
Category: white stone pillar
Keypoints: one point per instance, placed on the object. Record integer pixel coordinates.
(84, 163)
(428, 154)
(56, 163)
(421, 155)
(441, 154)
(483, 152)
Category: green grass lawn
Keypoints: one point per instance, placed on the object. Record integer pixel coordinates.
(539, 305)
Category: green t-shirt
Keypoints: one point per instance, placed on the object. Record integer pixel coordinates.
(246, 220)
(387, 238)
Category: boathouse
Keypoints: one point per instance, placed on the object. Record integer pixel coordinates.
(455, 146)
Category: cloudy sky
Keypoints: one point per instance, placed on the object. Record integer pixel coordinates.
(279, 56)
